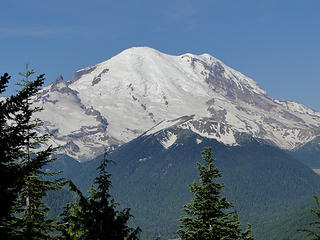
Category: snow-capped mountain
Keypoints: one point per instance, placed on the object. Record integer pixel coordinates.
(144, 91)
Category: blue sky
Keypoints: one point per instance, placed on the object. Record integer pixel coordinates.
(277, 43)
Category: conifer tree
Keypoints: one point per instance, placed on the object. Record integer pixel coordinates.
(208, 215)
(313, 230)
(25, 152)
(96, 217)
(34, 155)
(10, 171)
(247, 235)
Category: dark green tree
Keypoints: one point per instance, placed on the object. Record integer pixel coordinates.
(10, 170)
(208, 215)
(96, 217)
(313, 228)
(25, 152)
(247, 235)
(34, 156)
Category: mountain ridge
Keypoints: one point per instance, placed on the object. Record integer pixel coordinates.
(263, 181)
(117, 100)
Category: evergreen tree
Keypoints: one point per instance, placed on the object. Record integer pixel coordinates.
(72, 225)
(34, 155)
(313, 230)
(247, 235)
(208, 215)
(25, 153)
(96, 217)
(10, 171)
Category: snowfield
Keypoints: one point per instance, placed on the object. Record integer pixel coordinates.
(144, 91)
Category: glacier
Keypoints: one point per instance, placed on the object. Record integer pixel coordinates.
(144, 91)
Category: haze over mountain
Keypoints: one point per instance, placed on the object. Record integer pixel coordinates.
(144, 91)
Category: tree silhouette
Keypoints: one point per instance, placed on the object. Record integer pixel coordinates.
(96, 216)
(24, 153)
(208, 215)
(313, 229)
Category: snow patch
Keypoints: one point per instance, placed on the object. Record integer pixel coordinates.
(169, 140)
(144, 159)
(316, 170)
(144, 89)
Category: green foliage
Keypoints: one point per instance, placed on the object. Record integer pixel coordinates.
(208, 215)
(309, 153)
(313, 230)
(247, 235)
(269, 188)
(24, 153)
(96, 216)
(10, 171)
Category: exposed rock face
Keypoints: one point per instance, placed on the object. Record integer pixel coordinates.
(117, 100)
(80, 131)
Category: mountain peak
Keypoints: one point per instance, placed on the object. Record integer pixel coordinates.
(141, 87)
(58, 80)
(58, 84)
(140, 50)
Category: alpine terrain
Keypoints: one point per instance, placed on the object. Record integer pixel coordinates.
(144, 91)
(155, 112)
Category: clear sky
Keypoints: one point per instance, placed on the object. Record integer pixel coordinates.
(275, 42)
